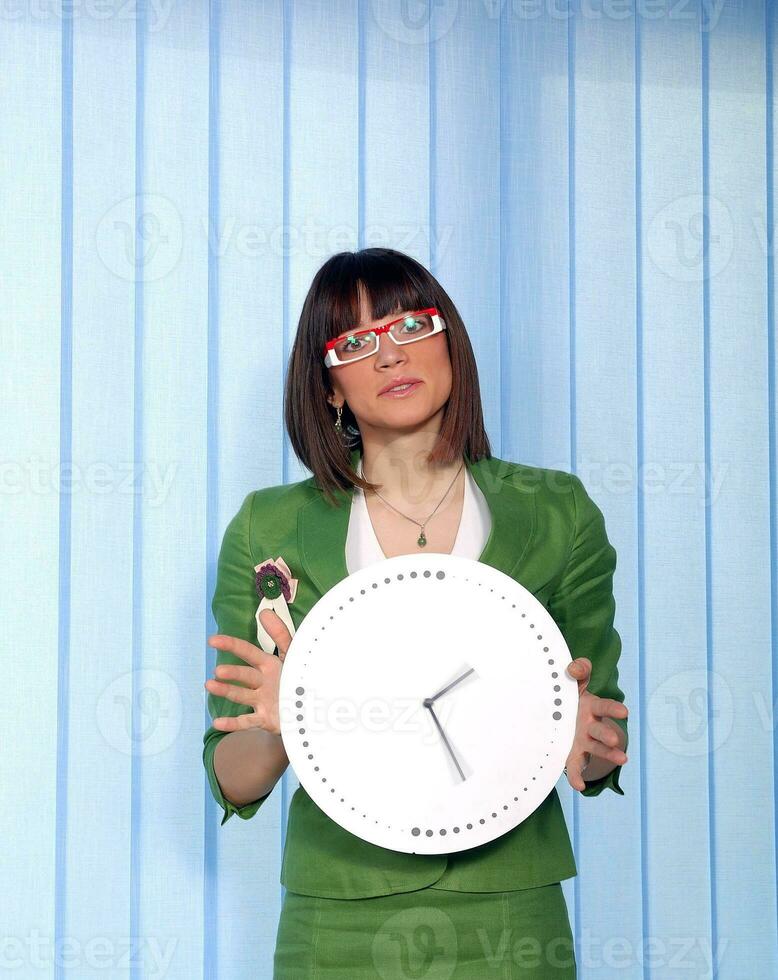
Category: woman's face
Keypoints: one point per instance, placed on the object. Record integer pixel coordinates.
(359, 384)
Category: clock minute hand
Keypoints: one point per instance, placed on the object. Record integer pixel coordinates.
(428, 704)
(428, 701)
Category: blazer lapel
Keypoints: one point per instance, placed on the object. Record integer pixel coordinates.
(322, 527)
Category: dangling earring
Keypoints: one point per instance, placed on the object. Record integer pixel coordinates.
(338, 424)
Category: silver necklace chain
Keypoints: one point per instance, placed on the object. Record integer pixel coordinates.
(422, 538)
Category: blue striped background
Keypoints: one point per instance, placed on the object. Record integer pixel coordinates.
(173, 176)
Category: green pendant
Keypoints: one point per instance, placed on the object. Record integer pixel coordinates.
(421, 539)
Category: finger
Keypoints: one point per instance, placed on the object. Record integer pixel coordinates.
(575, 766)
(580, 670)
(608, 707)
(606, 742)
(232, 692)
(606, 732)
(247, 676)
(277, 629)
(241, 648)
(238, 723)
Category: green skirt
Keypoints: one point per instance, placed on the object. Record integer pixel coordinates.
(429, 933)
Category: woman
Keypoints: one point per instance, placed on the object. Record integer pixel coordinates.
(383, 406)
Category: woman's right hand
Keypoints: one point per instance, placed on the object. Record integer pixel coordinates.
(260, 680)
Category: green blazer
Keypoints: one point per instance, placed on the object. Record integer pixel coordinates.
(549, 535)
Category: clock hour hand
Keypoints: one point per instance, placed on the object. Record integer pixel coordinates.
(428, 704)
(428, 701)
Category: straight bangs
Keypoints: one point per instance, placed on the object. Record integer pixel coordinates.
(386, 284)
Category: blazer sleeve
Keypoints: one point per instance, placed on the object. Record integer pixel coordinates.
(234, 606)
(583, 607)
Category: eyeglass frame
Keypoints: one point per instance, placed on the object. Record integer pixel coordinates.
(438, 325)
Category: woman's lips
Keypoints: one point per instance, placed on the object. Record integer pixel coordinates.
(403, 393)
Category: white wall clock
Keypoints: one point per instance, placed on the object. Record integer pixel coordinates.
(425, 705)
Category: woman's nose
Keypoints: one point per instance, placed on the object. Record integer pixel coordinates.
(389, 352)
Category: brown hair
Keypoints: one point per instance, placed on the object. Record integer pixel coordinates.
(392, 282)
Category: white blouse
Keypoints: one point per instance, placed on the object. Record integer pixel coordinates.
(362, 547)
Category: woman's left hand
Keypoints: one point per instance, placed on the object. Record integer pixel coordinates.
(596, 735)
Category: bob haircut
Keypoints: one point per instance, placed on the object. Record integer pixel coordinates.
(391, 282)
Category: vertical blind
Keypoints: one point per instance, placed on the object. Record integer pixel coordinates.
(593, 183)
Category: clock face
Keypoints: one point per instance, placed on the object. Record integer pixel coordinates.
(424, 703)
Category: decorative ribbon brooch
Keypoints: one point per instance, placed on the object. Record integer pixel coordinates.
(276, 589)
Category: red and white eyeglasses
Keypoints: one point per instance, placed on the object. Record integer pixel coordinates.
(364, 343)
